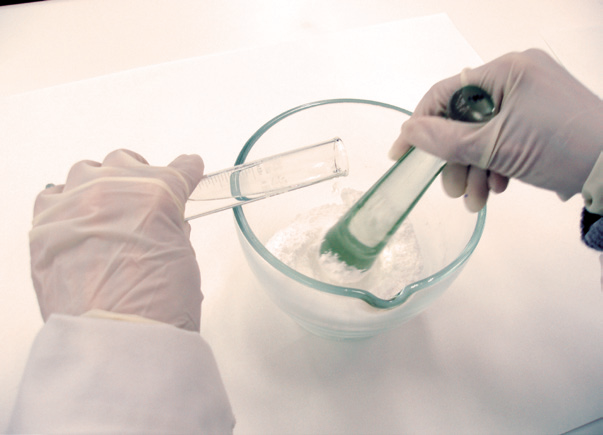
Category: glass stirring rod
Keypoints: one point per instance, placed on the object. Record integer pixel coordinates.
(362, 233)
(267, 177)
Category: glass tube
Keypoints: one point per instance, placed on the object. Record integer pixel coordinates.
(267, 177)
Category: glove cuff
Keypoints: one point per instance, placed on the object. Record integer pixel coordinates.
(581, 137)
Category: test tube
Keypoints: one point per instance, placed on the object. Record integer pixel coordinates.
(267, 177)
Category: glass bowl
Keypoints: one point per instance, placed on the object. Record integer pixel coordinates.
(445, 233)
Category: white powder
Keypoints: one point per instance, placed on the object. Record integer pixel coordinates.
(298, 246)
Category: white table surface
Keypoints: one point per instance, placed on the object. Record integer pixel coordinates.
(513, 347)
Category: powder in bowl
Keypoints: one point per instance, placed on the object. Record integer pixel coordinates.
(298, 246)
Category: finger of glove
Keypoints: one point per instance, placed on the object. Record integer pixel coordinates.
(476, 194)
(454, 179)
(124, 158)
(399, 147)
(80, 173)
(87, 170)
(496, 77)
(45, 198)
(497, 183)
(456, 142)
(190, 169)
(491, 77)
(435, 101)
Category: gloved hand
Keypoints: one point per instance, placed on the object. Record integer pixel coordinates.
(114, 238)
(547, 132)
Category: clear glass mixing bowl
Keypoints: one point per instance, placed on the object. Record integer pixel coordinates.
(446, 233)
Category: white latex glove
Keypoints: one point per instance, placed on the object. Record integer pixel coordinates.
(547, 133)
(114, 238)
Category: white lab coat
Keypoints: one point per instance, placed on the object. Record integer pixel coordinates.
(97, 375)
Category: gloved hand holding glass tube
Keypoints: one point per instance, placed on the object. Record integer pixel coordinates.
(114, 238)
(547, 131)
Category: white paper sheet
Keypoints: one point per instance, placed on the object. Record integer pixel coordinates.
(513, 346)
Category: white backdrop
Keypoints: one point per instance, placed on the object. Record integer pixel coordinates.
(514, 345)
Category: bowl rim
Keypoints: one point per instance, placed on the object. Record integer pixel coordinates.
(405, 293)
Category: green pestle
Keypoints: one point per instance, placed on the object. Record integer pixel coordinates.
(364, 230)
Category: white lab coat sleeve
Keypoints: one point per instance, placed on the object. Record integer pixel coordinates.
(91, 375)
